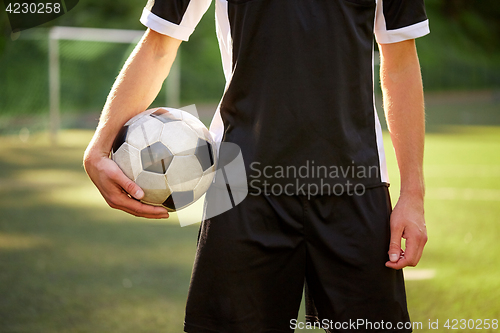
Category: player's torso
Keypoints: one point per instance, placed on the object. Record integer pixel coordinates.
(300, 81)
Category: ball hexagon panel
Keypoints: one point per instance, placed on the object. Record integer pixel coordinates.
(129, 160)
(154, 186)
(184, 173)
(165, 116)
(204, 154)
(144, 133)
(179, 138)
(156, 158)
(204, 183)
(179, 200)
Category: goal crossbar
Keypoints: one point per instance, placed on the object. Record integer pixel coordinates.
(58, 33)
(96, 35)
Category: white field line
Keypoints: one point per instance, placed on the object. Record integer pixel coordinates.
(418, 274)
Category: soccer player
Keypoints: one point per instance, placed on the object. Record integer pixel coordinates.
(299, 103)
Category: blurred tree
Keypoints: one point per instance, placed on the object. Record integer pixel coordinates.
(480, 20)
(4, 31)
(123, 14)
(452, 8)
(464, 32)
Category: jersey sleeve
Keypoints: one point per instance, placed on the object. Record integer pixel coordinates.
(175, 18)
(399, 20)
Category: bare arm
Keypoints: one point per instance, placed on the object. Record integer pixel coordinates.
(404, 109)
(134, 90)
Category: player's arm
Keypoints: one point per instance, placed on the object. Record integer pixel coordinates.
(134, 90)
(404, 109)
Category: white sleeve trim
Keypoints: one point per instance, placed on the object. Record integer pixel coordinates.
(413, 31)
(165, 27)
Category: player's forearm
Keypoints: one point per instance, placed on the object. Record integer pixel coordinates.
(135, 88)
(404, 108)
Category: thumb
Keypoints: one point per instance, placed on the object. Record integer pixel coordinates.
(395, 245)
(128, 185)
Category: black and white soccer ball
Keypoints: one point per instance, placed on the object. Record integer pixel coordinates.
(169, 153)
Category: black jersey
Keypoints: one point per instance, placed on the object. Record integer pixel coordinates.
(299, 95)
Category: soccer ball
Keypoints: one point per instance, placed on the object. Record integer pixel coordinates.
(169, 153)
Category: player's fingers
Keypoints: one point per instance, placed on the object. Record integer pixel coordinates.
(398, 264)
(395, 243)
(140, 209)
(126, 184)
(117, 198)
(401, 263)
(137, 208)
(414, 248)
(413, 252)
(141, 213)
(114, 186)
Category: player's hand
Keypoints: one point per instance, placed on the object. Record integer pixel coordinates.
(407, 221)
(118, 190)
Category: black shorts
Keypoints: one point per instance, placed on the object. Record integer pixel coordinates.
(253, 260)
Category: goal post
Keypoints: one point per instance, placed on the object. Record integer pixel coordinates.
(95, 35)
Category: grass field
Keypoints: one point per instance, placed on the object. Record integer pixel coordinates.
(69, 263)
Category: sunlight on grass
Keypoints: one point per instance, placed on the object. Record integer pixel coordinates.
(462, 168)
(66, 138)
(412, 274)
(22, 242)
(50, 177)
(69, 263)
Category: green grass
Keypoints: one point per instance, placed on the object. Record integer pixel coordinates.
(69, 263)
(462, 167)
